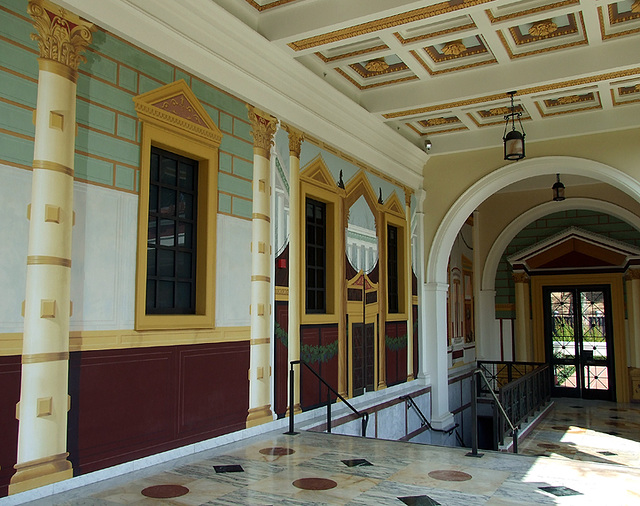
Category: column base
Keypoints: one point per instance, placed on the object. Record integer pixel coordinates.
(410, 377)
(37, 473)
(296, 409)
(258, 416)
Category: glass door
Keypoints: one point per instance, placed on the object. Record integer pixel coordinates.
(578, 341)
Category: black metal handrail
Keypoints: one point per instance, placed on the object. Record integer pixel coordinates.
(425, 422)
(525, 395)
(364, 415)
(474, 415)
(500, 373)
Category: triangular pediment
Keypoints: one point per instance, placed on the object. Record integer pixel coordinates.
(358, 186)
(575, 248)
(318, 173)
(394, 206)
(175, 107)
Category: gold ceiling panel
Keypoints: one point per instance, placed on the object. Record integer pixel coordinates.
(625, 92)
(568, 103)
(263, 6)
(437, 125)
(512, 10)
(569, 31)
(423, 32)
(619, 19)
(384, 23)
(493, 114)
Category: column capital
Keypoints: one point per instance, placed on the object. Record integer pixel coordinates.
(632, 273)
(407, 196)
(263, 128)
(520, 277)
(295, 139)
(421, 195)
(62, 36)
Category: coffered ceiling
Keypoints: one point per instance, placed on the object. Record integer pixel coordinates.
(441, 70)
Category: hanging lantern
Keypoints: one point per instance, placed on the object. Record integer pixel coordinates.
(513, 140)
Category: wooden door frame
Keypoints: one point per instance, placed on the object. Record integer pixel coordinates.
(615, 282)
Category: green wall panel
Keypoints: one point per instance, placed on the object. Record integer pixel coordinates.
(225, 162)
(224, 203)
(19, 90)
(102, 93)
(105, 146)
(17, 119)
(128, 79)
(125, 177)
(219, 99)
(16, 150)
(242, 208)
(17, 29)
(100, 66)
(242, 129)
(19, 60)
(234, 185)
(243, 168)
(127, 127)
(92, 169)
(126, 53)
(237, 147)
(95, 116)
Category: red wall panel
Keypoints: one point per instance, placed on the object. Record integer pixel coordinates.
(127, 404)
(10, 369)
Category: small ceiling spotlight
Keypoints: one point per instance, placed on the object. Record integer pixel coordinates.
(558, 190)
(514, 140)
(427, 145)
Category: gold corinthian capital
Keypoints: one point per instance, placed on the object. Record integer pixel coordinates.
(295, 139)
(263, 128)
(62, 35)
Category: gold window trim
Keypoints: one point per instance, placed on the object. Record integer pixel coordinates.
(173, 119)
(317, 183)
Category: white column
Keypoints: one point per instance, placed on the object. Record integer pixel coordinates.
(295, 253)
(524, 346)
(409, 286)
(420, 268)
(263, 129)
(434, 358)
(488, 327)
(44, 400)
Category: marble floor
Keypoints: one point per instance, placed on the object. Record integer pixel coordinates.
(582, 453)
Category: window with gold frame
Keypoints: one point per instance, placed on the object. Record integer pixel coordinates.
(173, 120)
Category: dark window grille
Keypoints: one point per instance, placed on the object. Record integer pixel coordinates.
(315, 262)
(171, 239)
(392, 268)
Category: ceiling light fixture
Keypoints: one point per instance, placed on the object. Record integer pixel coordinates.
(514, 140)
(558, 190)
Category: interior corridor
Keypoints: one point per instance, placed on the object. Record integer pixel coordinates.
(583, 452)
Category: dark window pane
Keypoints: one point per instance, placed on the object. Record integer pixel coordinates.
(185, 206)
(165, 295)
(186, 173)
(167, 202)
(171, 254)
(155, 167)
(166, 263)
(152, 234)
(183, 295)
(185, 231)
(153, 199)
(184, 265)
(151, 262)
(151, 295)
(168, 171)
(167, 232)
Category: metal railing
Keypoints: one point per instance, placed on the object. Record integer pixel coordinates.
(424, 422)
(474, 415)
(364, 415)
(516, 399)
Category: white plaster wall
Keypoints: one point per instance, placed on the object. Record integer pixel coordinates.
(15, 195)
(233, 272)
(103, 262)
